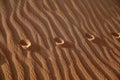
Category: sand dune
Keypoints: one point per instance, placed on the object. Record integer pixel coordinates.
(59, 40)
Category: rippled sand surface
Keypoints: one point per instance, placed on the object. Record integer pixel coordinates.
(59, 40)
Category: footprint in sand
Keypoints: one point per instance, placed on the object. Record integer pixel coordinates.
(89, 37)
(25, 44)
(115, 35)
(61, 42)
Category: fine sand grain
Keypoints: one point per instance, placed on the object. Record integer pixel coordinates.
(59, 39)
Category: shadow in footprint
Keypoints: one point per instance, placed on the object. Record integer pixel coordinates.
(89, 37)
(25, 43)
(116, 36)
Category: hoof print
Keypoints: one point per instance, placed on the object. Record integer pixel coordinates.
(89, 37)
(25, 44)
(115, 35)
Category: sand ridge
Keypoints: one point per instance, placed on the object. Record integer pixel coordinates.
(59, 40)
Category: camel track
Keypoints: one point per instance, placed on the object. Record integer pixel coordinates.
(80, 57)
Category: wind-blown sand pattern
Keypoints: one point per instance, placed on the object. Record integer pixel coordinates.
(28, 49)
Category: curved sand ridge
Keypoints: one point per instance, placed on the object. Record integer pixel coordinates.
(85, 31)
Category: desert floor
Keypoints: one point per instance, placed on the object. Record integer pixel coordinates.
(59, 39)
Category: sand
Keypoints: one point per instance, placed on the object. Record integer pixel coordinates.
(59, 40)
